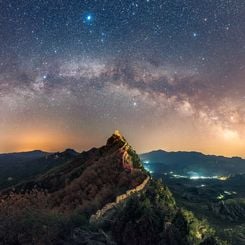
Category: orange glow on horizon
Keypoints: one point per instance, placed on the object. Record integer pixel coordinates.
(53, 140)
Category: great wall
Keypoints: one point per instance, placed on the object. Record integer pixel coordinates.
(125, 162)
(100, 213)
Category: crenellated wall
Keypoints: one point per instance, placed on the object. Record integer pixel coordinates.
(126, 162)
(95, 217)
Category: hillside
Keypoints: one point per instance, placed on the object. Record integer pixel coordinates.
(69, 204)
(154, 218)
(17, 167)
(220, 201)
(91, 178)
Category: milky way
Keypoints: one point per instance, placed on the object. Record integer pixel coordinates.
(168, 74)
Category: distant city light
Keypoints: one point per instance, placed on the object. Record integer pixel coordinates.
(195, 177)
(148, 170)
(203, 177)
(179, 176)
(229, 193)
(220, 197)
(224, 177)
(198, 177)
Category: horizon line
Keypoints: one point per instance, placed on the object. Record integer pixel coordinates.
(140, 153)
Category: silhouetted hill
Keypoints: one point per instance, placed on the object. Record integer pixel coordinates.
(22, 155)
(186, 163)
(17, 167)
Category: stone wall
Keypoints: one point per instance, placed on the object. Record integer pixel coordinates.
(119, 199)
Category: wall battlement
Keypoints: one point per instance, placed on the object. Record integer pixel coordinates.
(95, 217)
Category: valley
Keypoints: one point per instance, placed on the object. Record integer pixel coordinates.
(220, 199)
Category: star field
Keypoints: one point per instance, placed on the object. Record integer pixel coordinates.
(168, 74)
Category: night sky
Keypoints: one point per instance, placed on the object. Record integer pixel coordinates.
(168, 74)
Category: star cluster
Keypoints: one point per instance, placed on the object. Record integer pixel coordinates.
(168, 73)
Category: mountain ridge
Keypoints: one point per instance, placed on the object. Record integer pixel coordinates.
(55, 207)
(64, 179)
(194, 152)
(184, 162)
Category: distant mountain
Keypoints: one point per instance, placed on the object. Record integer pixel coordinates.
(15, 167)
(102, 196)
(22, 155)
(192, 163)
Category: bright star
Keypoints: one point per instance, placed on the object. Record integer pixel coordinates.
(88, 18)
(194, 34)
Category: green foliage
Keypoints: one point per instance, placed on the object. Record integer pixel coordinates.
(26, 219)
(160, 195)
(153, 218)
(139, 222)
(142, 219)
(194, 231)
(135, 159)
(230, 209)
